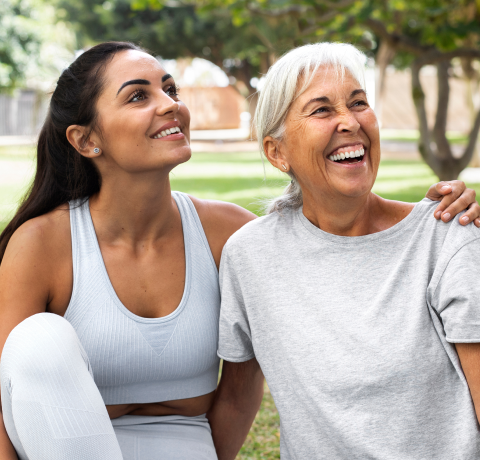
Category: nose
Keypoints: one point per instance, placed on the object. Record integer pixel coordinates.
(347, 122)
(166, 105)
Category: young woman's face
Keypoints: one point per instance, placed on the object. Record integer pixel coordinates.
(137, 109)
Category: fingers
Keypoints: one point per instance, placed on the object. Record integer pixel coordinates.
(466, 199)
(451, 190)
(472, 214)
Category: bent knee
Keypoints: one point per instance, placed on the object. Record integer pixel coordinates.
(39, 343)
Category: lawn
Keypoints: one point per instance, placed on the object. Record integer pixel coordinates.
(240, 178)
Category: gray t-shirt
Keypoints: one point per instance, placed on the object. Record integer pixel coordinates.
(354, 334)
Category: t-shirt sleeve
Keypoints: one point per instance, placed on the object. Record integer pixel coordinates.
(457, 296)
(235, 340)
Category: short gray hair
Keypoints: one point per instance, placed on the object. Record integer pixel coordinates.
(280, 90)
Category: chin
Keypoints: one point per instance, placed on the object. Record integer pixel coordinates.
(356, 191)
(179, 156)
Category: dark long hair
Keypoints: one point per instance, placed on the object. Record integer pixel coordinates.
(62, 173)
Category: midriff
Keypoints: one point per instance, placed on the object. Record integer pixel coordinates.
(189, 407)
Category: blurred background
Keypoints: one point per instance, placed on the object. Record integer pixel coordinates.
(423, 80)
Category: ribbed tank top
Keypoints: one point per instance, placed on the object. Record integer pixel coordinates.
(142, 360)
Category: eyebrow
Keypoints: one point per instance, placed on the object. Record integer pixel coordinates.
(326, 100)
(133, 82)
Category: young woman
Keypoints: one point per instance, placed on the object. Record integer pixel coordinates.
(109, 297)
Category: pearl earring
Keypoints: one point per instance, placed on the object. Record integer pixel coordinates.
(96, 150)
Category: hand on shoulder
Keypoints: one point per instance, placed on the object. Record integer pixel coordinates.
(220, 220)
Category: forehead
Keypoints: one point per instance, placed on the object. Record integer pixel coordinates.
(132, 65)
(328, 81)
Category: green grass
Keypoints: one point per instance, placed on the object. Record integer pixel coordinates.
(239, 178)
(413, 135)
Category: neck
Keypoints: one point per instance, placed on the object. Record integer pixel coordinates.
(347, 216)
(136, 208)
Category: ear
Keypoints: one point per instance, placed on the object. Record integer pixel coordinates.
(86, 146)
(273, 151)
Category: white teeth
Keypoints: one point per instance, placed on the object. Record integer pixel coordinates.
(167, 132)
(343, 155)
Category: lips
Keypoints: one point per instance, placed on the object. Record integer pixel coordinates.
(167, 132)
(167, 129)
(349, 154)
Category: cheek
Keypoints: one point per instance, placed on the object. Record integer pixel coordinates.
(369, 123)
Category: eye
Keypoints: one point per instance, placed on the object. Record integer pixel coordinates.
(321, 110)
(359, 103)
(138, 96)
(172, 90)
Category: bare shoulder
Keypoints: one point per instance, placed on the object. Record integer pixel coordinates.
(220, 220)
(48, 233)
(38, 255)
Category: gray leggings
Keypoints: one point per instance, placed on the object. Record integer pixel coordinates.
(53, 410)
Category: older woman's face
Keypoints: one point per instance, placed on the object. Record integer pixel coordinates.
(332, 142)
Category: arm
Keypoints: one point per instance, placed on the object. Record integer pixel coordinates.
(455, 197)
(236, 403)
(7, 452)
(469, 354)
(25, 274)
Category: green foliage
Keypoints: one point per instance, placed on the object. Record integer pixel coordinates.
(242, 47)
(18, 40)
(443, 24)
(34, 44)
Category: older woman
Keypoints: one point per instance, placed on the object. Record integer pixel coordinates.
(361, 312)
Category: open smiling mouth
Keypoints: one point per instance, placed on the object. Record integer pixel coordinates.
(167, 132)
(348, 155)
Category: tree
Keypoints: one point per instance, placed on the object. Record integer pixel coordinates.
(34, 44)
(242, 50)
(425, 32)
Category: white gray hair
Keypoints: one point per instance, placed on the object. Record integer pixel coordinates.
(281, 89)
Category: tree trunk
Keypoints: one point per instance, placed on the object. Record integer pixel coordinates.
(472, 83)
(384, 57)
(437, 152)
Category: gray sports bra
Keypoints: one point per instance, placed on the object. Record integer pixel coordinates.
(142, 360)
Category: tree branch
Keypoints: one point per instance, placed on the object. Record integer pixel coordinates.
(337, 5)
(435, 56)
(444, 151)
(321, 19)
(263, 38)
(472, 140)
(297, 9)
(419, 101)
(395, 40)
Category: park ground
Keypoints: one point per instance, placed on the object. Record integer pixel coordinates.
(240, 178)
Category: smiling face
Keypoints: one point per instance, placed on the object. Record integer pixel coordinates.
(331, 141)
(143, 126)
